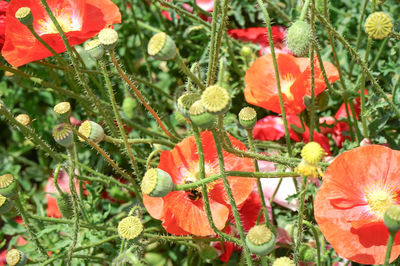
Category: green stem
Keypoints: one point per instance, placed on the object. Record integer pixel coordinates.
(187, 71)
(300, 221)
(140, 141)
(389, 247)
(212, 45)
(316, 238)
(304, 10)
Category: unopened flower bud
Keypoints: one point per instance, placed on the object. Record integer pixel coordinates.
(392, 218)
(15, 257)
(64, 204)
(94, 49)
(283, 261)
(298, 37)
(63, 135)
(378, 25)
(92, 131)
(8, 186)
(156, 183)
(108, 38)
(247, 117)
(200, 117)
(5, 204)
(23, 119)
(260, 240)
(307, 253)
(216, 100)
(208, 253)
(128, 106)
(185, 102)
(245, 51)
(130, 227)
(24, 15)
(161, 47)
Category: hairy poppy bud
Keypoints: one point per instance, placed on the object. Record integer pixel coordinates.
(260, 240)
(378, 25)
(200, 117)
(92, 131)
(208, 253)
(15, 257)
(161, 47)
(392, 218)
(128, 106)
(185, 102)
(298, 37)
(247, 117)
(94, 49)
(156, 183)
(130, 227)
(307, 254)
(23, 119)
(24, 15)
(63, 135)
(64, 204)
(108, 38)
(216, 100)
(8, 186)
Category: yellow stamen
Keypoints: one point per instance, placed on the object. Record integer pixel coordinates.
(379, 197)
(286, 83)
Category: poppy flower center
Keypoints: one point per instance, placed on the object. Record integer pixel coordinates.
(379, 197)
(65, 18)
(192, 174)
(286, 82)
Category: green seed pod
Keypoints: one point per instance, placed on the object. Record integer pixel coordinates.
(260, 240)
(5, 204)
(95, 49)
(64, 204)
(378, 25)
(200, 117)
(63, 135)
(92, 131)
(298, 37)
(246, 52)
(108, 38)
(307, 254)
(8, 186)
(63, 109)
(283, 261)
(23, 119)
(24, 15)
(156, 183)
(216, 100)
(161, 47)
(128, 106)
(392, 218)
(185, 102)
(15, 257)
(130, 228)
(247, 117)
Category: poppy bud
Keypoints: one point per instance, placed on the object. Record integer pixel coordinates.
(64, 204)
(161, 47)
(200, 117)
(5, 204)
(92, 131)
(128, 106)
(108, 38)
(307, 254)
(248, 117)
(216, 100)
(245, 52)
(312, 153)
(15, 257)
(156, 183)
(94, 49)
(63, 108)
(283, 261)
(63, 135)
(130, 227)
(24, 15)
(260, 240)
(208, 253)
(23, 119)
(378, 25)
(322, 100)
(185, 102)
(8, 186)
(298, 37)
(392, 218)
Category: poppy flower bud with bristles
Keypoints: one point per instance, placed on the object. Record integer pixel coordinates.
(208, 253)
(94, 49)
(378, 25)
(63, 109)
(63, 135)
(8, 186)
(5, 204)
(108, 38)
(24, 15)
(216, 100)
(23, 119)
(130, 227)
(260, 240)
(312, 153)
(92, 131)
(283, 261)
(161, 47)
(185, 102)
(307, 254)
(298, 37)
(392, 218)
(156, 183)
(15, 257)
(200, 117)
(247, 117)
(128, 106)
(64, 204)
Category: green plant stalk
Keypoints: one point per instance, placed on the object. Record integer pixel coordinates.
(75, 64)
(304, 10)
(140, 141)
(276, 190)
(316, 238)
(363, 65)
(355, 121)
(346, 105)
(55, 178)
(118, 117)
(389, 247)
(278, 83)
(230, 196)
(212, 43)
(312, 107)
(300, 221)
(186, 70)
(150, 157)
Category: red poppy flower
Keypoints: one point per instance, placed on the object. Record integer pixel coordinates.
(295, 80)
(259, 35)
(357, 188)
(3, 9)
(180, 214)
(80, 20)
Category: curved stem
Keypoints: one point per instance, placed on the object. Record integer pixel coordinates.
(300, 221)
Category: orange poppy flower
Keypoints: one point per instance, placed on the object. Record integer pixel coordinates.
(179, 212)
(295, 80)
(80, 20)
(357, 188)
